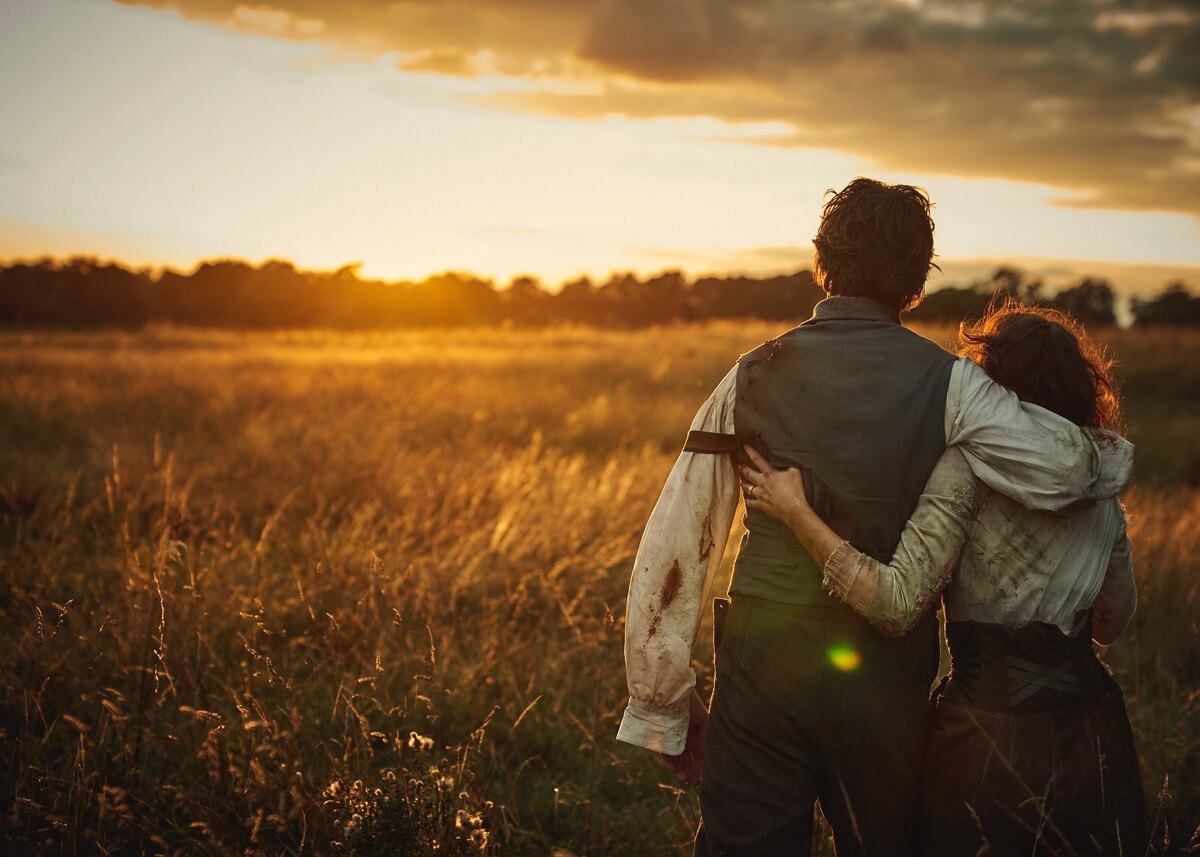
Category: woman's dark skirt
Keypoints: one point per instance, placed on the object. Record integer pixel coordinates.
(1030, 750)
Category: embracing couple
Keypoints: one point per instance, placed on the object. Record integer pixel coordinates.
(883, 477)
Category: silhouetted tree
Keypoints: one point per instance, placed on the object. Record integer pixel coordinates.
(577, 301)
(1012, 283)
(527, 302)
(78, 293)
(1092, 301)
(953, 304)
(1175, 306)
(968, 303)
(792, 296)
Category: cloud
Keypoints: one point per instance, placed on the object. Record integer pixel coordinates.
(446, 62)
(1099, 100)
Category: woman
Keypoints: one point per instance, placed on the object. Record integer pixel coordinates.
(1030, 749)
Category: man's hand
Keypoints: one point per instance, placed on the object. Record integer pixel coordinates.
(689, 765)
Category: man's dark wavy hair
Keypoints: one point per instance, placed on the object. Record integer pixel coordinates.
(875, 241)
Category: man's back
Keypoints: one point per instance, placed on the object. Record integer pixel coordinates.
(858, 400)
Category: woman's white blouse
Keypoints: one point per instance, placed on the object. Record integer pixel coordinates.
(992, 560)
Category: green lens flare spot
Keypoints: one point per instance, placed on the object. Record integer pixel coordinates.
(844, 657)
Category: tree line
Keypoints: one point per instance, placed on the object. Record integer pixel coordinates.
(82, 292)
(1092, 300)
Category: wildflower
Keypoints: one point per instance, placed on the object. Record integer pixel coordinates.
(419, 742)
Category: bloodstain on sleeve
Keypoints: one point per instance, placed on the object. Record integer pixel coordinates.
(670, 589)
(671, 584)
(706, 539)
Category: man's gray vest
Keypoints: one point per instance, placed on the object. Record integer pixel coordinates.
(858, 400)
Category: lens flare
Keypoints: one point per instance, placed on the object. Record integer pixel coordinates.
(844, 657)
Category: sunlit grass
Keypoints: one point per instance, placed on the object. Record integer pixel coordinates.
(270, 593)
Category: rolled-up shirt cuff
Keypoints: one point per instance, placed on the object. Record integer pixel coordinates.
(1116, 462)
(840, 570)
(663, 730)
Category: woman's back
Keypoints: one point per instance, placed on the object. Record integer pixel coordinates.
(1018, 566)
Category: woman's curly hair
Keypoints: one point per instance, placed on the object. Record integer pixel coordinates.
(876, 241)
(1046, 357)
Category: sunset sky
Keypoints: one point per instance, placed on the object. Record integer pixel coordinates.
(555, 137)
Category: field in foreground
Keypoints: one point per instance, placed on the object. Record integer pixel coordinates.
(325, 593)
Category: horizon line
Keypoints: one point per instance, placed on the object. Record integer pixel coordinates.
(938, 279)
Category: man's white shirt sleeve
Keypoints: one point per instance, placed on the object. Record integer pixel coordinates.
(681, 548)
(1027, 453)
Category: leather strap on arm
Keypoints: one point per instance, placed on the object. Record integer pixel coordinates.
(719, 443)
(711, 442)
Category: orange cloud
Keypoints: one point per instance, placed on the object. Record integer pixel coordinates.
(1104, 104)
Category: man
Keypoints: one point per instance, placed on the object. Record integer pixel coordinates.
(811, 704)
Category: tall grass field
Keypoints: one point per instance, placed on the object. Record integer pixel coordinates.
(335, 593)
